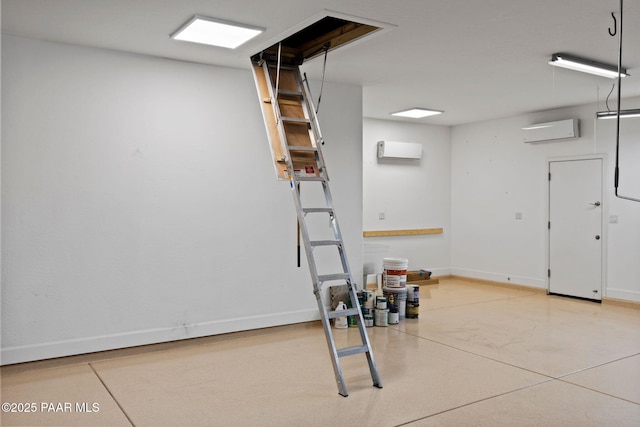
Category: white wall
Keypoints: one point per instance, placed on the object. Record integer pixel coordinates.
(139, 201)
(411, 193)
(495, 175)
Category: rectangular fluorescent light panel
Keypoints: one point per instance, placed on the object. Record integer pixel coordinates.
(215, 32)
(614, 114)
(417, 113)
(586, 66)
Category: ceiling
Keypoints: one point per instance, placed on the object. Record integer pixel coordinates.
(474, 59)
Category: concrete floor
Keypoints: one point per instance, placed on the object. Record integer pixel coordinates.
(478, 355)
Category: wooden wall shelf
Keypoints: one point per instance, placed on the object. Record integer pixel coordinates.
(412, 232)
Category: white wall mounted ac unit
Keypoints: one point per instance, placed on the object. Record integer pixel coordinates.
(561, 129)
(399, 150)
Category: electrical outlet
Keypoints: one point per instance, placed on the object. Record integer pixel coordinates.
(613, 219)
(380, 216)
(518, 215)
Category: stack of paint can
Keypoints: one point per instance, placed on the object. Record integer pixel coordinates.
(367, 301)
(413, 301)
(381, 316)
(392, 303)
(399, 296)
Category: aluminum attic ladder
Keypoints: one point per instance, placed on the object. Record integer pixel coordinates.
(296, 143)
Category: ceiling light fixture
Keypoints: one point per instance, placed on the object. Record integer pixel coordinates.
(614, 114)
(417, 113)
(215, 32)
(586, 66)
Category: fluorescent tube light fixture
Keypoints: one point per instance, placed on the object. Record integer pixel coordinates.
(417, 113)
(614, 114)
(586, 66)
(215, 32)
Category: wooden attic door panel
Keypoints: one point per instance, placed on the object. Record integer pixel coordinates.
(297, 134)
(287, 80)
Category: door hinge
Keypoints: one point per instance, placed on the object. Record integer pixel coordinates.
(549, 225)
(549, 273)
(549, 176)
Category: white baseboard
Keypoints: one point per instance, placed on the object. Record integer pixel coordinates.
(49, 350)
(622, 294)
(500, 277)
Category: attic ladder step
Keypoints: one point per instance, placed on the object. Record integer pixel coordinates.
(290, 93)
(329, 277)
(286, 137)
(296, 120)
(302, 148)
(317, 210)
(341, 313)
(315, 243)
(348, 351)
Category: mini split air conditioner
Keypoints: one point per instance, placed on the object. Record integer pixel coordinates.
(561, 129)
(399, 150)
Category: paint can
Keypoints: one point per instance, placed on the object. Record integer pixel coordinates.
(381, 303)
(381, 317)
(413, 310)
(352, 321)
(413, 293)
(368, 320)
(394, 272)
(394, 318)
(399, 296)
(369, 299)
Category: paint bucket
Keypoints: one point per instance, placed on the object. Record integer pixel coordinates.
(413, 293)
(400, 299)
(395, 272)
(381, 303)
(381, 317)
(413, 310)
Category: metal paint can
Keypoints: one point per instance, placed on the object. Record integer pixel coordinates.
(381, 317)
(394, 318)
(413, 293)
(368, 320)
(413, 310)
(381, 303)
(369, 299)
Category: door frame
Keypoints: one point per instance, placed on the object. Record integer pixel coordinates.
(604, 222)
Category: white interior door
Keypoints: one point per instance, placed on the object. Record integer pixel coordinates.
(575, 228)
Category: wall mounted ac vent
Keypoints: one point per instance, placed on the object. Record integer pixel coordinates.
(561, 129)
(399, 150)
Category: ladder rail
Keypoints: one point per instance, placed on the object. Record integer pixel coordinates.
(309, 101)
(310, 112)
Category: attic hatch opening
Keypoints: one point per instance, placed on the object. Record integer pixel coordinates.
(327, 34)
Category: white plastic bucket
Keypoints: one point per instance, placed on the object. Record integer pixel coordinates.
(395, 272)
